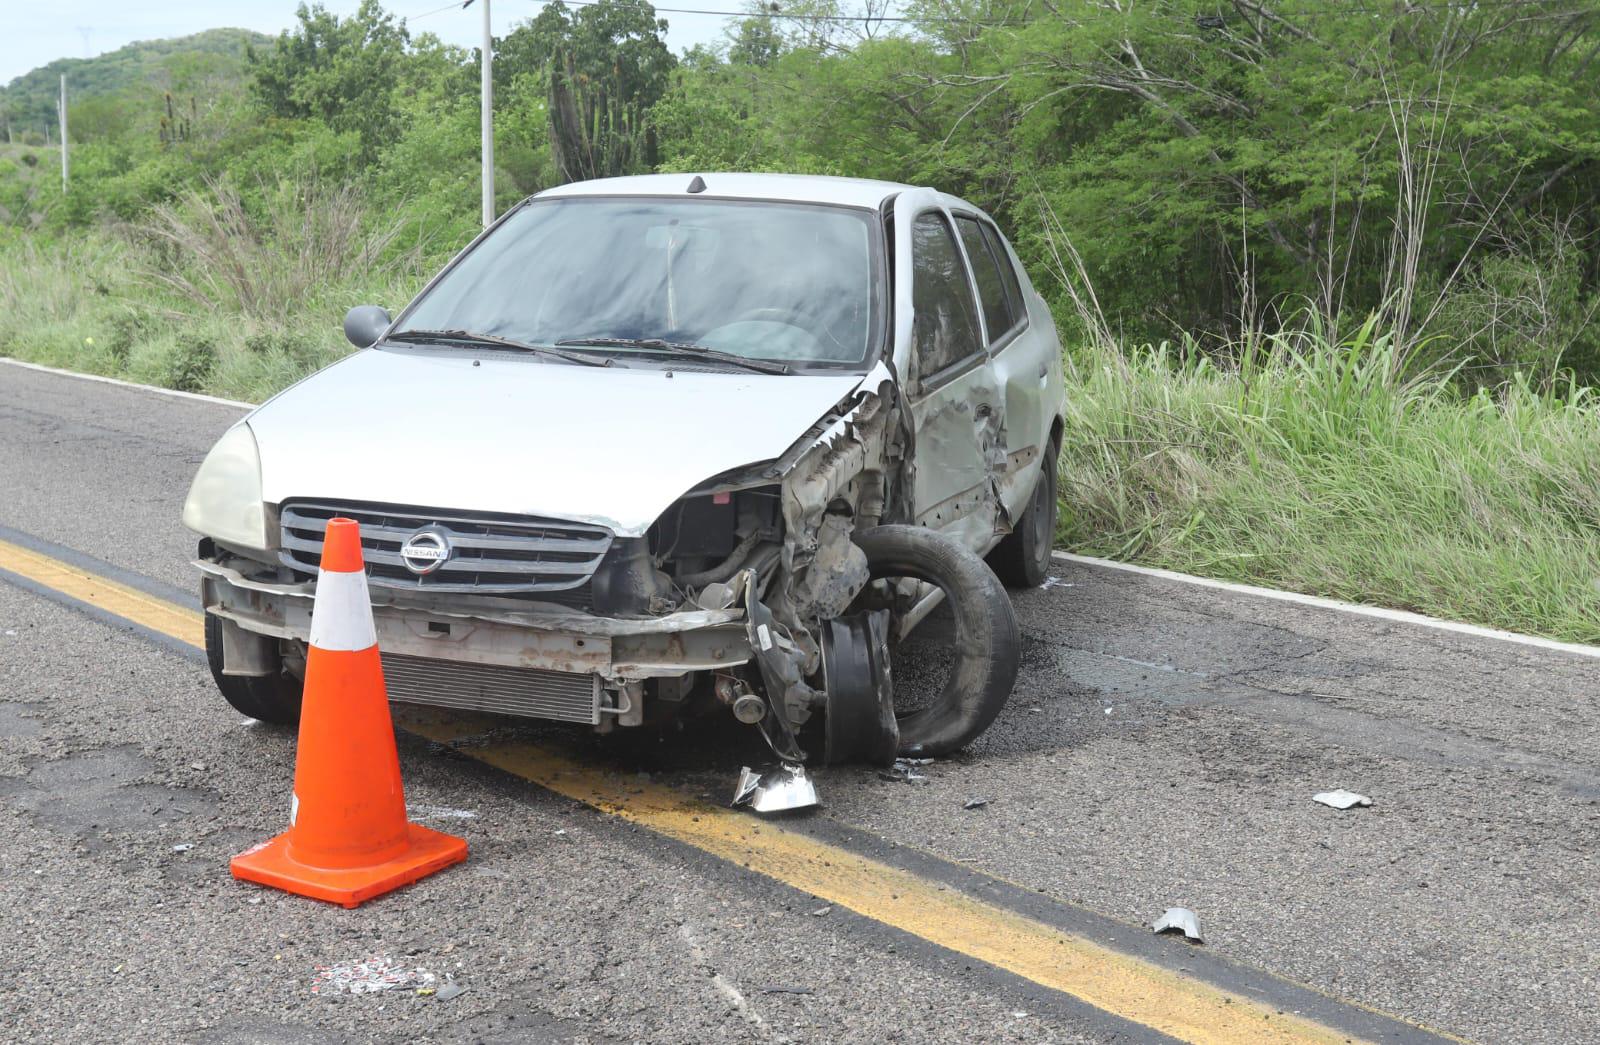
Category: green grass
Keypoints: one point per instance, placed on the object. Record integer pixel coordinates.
(205, 298)
(1310, 466)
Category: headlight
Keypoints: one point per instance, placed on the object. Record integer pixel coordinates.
(225, 498)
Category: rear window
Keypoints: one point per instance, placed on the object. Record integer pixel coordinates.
(1000, 304)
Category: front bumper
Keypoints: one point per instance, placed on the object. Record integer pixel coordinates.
(544, 639)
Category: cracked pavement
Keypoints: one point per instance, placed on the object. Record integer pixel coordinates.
(1161, 749)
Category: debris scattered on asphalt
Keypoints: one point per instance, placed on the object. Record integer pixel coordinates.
(560, 832)
(1341, 799)
(975, 803)
(1055, 582)
(904, 770)
(11, 631)
(371, 975)
(450, 989)
(1180, 919)
(822, 911)
(1108, 711)
(779, 988)
(439, 813)
(183, 847)
(775, 791)
(198, 766)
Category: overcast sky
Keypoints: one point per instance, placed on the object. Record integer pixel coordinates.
(33, 34)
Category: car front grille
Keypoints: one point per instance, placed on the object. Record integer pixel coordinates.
(504, 555)
(528, 692)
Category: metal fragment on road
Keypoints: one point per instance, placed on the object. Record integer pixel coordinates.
(779, 988)
(776, 791)
(1180, 919)
(904, 770)
(975, 803)
(371, 975)
(1341, 799)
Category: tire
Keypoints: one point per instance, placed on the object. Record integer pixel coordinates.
(1022, 558)
(271, 698)
(987, 644)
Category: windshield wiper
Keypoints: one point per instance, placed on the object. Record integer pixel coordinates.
(470, 338)
(681, 348)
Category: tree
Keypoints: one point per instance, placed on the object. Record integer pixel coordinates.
(603, 69)
(343, 72)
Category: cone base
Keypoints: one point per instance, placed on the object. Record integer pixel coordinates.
(270, 864)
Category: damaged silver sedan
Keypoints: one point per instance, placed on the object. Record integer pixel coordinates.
(665, 445)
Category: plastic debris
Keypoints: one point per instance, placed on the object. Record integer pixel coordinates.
(1180, 919)
(821, 912)
(450, 989)
(975, 803)
(183, 847)
(1055, 582)
(1341, 799)
(371, 975)
(11, 631)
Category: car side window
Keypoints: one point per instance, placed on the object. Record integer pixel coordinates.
(1008, 273)
(998, 314)
(946, 325)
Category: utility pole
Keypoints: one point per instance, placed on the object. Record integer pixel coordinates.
(63, 104)
(487, 63)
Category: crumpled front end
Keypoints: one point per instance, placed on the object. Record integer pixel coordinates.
(722, 604)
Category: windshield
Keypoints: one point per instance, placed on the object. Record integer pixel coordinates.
(790, 282)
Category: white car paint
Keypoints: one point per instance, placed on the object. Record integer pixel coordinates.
(492, 432)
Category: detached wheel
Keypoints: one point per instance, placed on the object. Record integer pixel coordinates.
(985, 644)
(1022, 558)
(271, 698)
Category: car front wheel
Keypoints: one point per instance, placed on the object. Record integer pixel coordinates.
(271, 698)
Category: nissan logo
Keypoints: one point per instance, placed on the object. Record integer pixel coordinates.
(425, 552)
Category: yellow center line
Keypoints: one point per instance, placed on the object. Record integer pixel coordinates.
(171, 620)
(1132, 988)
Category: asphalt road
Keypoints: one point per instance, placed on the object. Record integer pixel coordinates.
(1161, 750)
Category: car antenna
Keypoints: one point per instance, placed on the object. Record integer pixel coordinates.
(698, 185)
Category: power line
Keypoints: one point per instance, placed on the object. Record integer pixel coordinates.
(1467, 6)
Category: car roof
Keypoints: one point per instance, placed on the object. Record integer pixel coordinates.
(797, 188)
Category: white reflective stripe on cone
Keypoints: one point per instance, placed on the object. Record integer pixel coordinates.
(341, 616)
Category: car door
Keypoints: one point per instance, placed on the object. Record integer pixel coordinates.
(957, 407)
(1020, 356)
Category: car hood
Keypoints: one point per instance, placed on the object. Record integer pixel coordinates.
(512, 434)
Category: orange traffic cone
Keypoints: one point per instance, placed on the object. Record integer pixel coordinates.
(348, 838)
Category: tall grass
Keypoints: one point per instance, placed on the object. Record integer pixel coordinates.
(1307, 464)
(215, 292)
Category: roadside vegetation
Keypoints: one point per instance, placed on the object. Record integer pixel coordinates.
(1329, 274)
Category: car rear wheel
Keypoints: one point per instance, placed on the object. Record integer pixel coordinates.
(984, 645)
(1022, 558)
(271, 698)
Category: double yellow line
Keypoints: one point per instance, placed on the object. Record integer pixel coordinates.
(1123, 985)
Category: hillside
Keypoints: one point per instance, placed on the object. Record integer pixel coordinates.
(29, 101)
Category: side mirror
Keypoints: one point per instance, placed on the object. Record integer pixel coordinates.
(364, 324)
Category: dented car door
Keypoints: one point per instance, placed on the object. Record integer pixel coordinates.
(957, 407)
(1022, 354)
